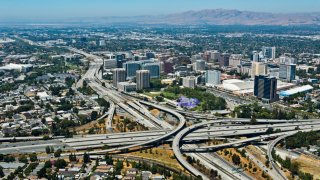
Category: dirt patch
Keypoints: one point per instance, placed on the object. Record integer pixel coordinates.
(309, 165)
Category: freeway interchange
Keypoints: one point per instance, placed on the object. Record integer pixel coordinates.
(184, 139)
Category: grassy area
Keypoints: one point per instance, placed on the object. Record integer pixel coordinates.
(309, 165)
(163, 155)
(170, 95)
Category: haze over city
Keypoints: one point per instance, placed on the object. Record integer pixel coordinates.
(47, 9)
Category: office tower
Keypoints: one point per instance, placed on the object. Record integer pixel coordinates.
(287, 72)
(143, 79)
(195, 57)
(273, 72)
(119, 75)
(287, 60)
(102, 42)
(269, 52)
(255, 56)
(154, 69)
(215, 55)
(110, 56)
(189, 81)
(150, 55)
(109, 63)
(212, 78)
(127, 86)
(167, 67)
(200, 65)
(224, 60)
(259, 68)
(131, 68)
(265, 88)
(235, 60)
(120, 58)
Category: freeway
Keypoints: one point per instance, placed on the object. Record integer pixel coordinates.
(180, 133)
(197, 135)
(112, 108)
(271, 145)
(178, 138)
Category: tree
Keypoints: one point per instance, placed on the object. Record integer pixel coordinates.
(52, 149)
(236, 159)
(108, 159)
(1, 172)
(23, 159)
(42, 173)
(253, 120)
(60, 163)
(86, 158)
(48, 149)
(33, 157)
(269, 130)
(72, 157)
(58, 153)
(94, 115)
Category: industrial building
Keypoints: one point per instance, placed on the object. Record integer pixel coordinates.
(290, 92)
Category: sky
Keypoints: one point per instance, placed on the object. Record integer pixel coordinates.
(53, 9)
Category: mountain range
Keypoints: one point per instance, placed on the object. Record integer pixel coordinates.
(201, 17)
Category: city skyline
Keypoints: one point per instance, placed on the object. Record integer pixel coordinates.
(60, 9)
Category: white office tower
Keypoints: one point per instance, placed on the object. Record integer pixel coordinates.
(102, 42)
(255, 56)
(109, 63)
(119, 75)
(235, 60)
(189, 81)
(269, 52)
(259, 68)
(143, 79)
(213, 78)
(200, 65)
(287, 60)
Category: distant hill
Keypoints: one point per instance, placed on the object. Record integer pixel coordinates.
(202, 17)
(236, 17)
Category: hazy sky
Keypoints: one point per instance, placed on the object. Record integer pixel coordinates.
(90, 8)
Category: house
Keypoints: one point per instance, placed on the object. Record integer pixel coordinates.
(146, 175)
(132, 171)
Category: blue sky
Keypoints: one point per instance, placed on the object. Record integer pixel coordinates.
(92, 8)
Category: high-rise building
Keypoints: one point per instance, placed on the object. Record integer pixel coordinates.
(131, 68)
(259, 68)
(102, 42)
(235, 60)
(167, 67)
(287, 60)
(269, 52)
(143, 79)
(150, 55)
(287, 72)
(265, 88)
(195, 57)
(200, 65)
(212, 78)
(154, 69)
(119, 75)
(255, 56)
(215, 55)
(109, 63)
(224, 60)
(189, 81)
